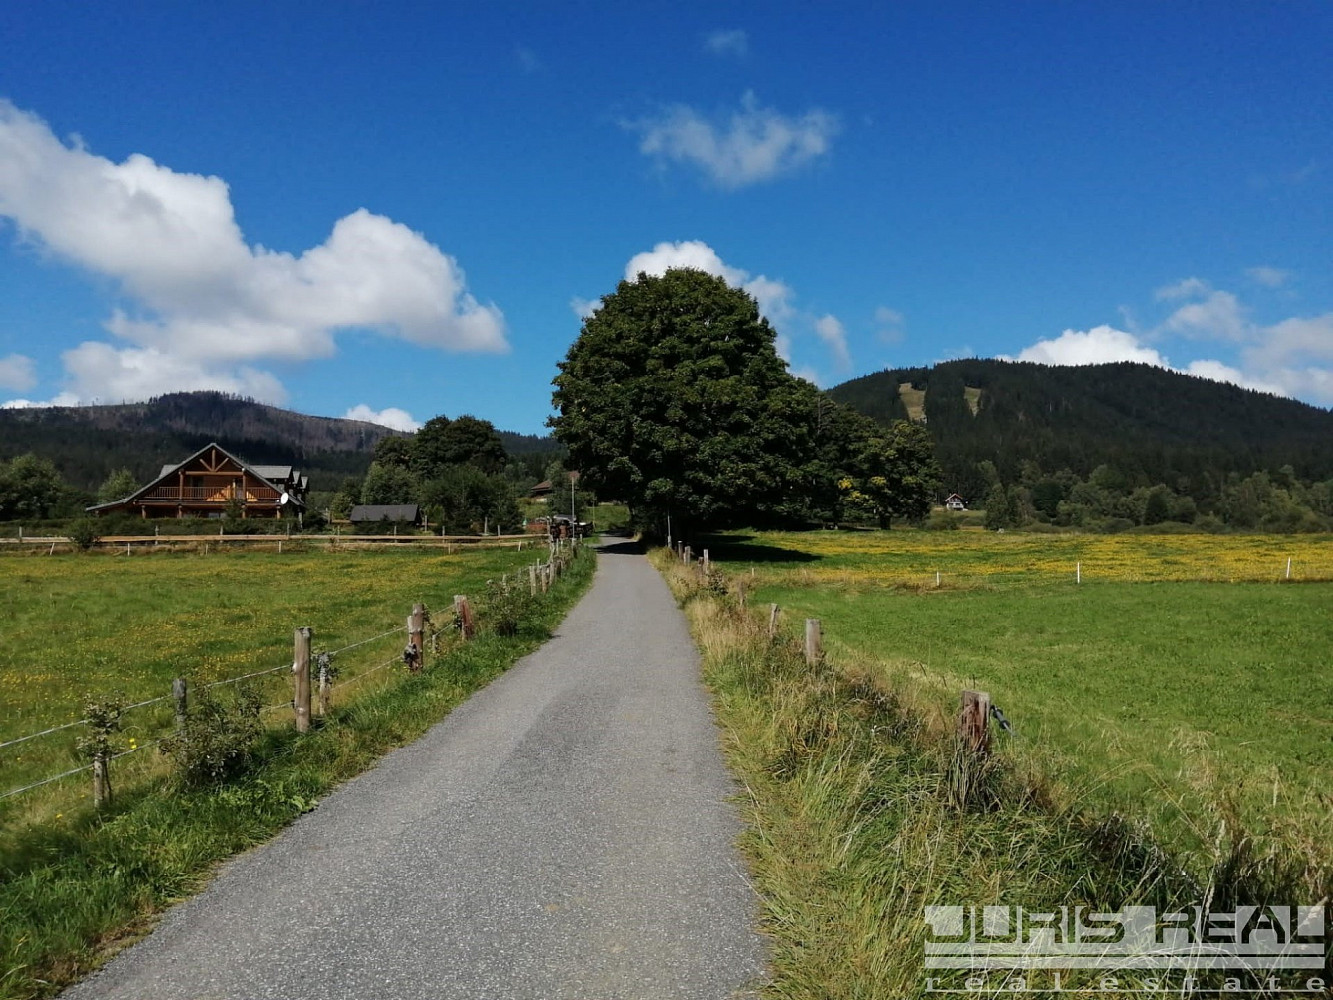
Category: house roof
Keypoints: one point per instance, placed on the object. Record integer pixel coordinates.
(266, 473)
(383, 512)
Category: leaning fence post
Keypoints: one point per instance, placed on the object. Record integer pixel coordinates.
(416, 626)
(772, 620)
(301, 668)
(974, 721)
(180, 694)
(463, 608)
(812, 637)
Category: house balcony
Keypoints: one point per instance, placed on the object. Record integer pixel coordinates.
(209, 494)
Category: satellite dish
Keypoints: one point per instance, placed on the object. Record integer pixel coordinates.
(283, 499)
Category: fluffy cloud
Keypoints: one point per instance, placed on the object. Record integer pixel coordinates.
(399, 420)
(830, 330)
(750, 145)
(1107, 344)
(1098, 346)
(727, 42)
(776, 298)
(17, 372)
(209, 304)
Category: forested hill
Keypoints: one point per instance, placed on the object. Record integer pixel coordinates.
(87, 442)
(1148, 424)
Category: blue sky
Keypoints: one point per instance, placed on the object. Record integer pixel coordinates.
(356, 208)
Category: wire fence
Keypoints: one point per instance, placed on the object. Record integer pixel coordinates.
(423, 633)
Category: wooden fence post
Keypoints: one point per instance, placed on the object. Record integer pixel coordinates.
(180, 694)
(325, 684)
(772, 620)
(740, 594)
(689, 555)
(532, 580)
(707, 564)
(812, 637)
(301, 668)
(101, 782)
(463, 608)
(974, 721)
(416, 627)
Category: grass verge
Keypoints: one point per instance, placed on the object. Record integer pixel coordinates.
(862, 809)
(73, 893)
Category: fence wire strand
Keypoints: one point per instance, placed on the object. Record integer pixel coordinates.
(400, 628)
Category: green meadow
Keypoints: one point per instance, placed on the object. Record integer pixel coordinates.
(1148, 690)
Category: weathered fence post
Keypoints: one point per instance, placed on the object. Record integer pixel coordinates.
(532, 580)
(812, 637)
(740, 594)
(463, 608)
(974, 721)
(772, 620)
(101, 781)
(416, 627)
(689, 555)
(301, 669)
(180, 694)
(325, 683)
(707, 563)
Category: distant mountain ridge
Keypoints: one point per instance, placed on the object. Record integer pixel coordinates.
(1152, 425)
(87, 442)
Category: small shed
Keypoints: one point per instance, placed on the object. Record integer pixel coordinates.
(954, 502)
(394, 513)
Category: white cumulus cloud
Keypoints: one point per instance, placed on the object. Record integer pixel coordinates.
(17, 372)
(1099, 346)
(208, 305)
(751, 144)
(776, 298)
(391, 416)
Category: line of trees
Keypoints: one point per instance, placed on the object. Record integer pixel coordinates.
(1108, 500)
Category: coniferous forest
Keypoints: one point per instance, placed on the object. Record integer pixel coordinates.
(1119, 443)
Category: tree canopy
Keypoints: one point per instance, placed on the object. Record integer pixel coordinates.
(674, 399)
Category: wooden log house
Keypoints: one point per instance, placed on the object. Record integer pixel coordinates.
(210, 480)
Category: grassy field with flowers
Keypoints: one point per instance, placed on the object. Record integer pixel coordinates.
(91, 625)
(1184, 681)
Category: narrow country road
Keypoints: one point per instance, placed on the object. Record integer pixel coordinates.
(563, 834)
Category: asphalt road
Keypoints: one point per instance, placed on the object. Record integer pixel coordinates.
(564, 833)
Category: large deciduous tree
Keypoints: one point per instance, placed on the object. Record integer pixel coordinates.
(674, 400)
(896, 473)
(467, 440)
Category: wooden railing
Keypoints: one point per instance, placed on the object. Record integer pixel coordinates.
(211, 494)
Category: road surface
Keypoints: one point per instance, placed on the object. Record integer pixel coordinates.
(565, 833)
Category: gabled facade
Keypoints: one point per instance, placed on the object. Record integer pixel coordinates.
(210, 480)
(954, 502)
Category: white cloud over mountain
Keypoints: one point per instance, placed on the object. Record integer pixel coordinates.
(745, 146)
(1293, 357)
(206, 305)
(391, 416)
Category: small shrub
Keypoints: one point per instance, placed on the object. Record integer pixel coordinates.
(83, 533)
(218, 736)
(505, 608)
